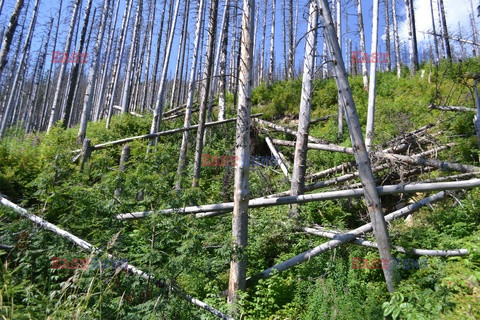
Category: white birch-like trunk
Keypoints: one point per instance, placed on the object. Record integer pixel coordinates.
(222, 104)
(271, 68)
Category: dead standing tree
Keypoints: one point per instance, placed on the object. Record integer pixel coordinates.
(238, 264)
(300, 160)
(9, 35)
(361, 156)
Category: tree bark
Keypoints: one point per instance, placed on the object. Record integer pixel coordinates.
(445, 30)
(87, 102)
(361, 29)
(297, 185)
(396, 41)
(373, 78)
(204, 95)
(271, 68)
(238, 264)
(7, 40)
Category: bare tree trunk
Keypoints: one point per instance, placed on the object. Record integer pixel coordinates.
(191, 88)
(291, 44)
(362, 45)
(222, 104)
(437, 56)
(7, 40)
(57, 100)
(117, 62)
(261, 74)
(476, 119)
(474, 29)
(20, 69)
(387, 36)
(361, 156)
(412, 38)
(373, 76)
(396, 41)
(100, 98)
(76, 67)
(238, 264)
(204, 95)
(299, 167)
(445, 30)
(127, 88)
(181, 48)
(272, 44)
(157, 112)
(92, 75)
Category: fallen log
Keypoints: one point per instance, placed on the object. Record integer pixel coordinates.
(341, 239)
(89, 247)
(279, 128)
(442, 165)
(362, 242)
(331, 195)
(161, 133)
(275, 153)
(131, 112)
(452, 108)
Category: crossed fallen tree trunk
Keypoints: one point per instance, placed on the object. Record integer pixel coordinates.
(267, 202)
(452, 108)
(341, 239)
(89, 247)
(362, 242)
(442, 165)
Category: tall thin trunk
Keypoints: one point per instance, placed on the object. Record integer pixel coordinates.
(158, 111)
(149, 53)
(20, 70)
(291, 44)
(157, 59)
(7, 40)
(204, 95)
(474, 29)
(373, 76)
(261, 73)
(285, 40)
(181, 48)
(396, 41)
(362, 45)
(445, 31)
(412, 38)
(238, 264)
(92, 75)
(435, 40)
(222, 104)
(191, 89)
(100, 98)
(47, 89)
(57, 100)
(76, 68)
(127, 88)
(387, 36)
(117, 61)
(361, 156)
(271, 69)
(297, 185)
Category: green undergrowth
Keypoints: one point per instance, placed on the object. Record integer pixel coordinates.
(37, 173)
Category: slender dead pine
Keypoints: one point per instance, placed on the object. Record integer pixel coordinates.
(361, 156)
(373, 79)
(16, 81)
(222, 103)
(58, 98)
(445, 30)
(396, 41)
(238, 264)
(205, 91)
(387, 35)
(272, 44)
(87, 102)
(7, 40)
(182, 158)
(363, 51)
(297, 185)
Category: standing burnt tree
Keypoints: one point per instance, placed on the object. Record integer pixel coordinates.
(238, 264)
